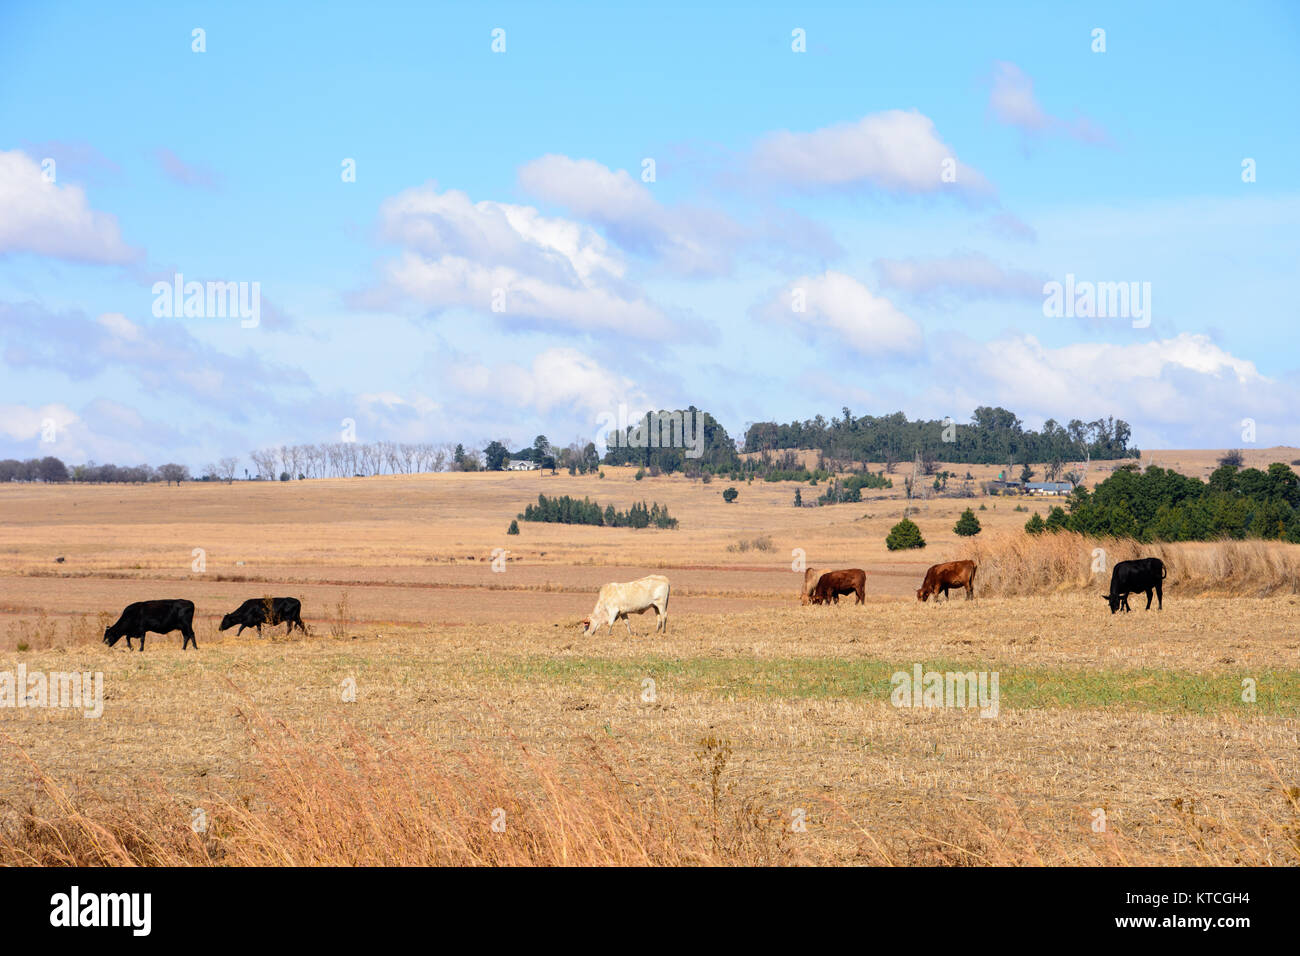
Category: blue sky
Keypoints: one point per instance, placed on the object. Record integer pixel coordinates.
(778, 175)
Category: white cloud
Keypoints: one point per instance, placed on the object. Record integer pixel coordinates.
(1184, 386)
(969, 275)
(48, 219)
(1012, 102)
(557, 378)
(842, 311)
(895, 150)
(552, 272)
(689, 240)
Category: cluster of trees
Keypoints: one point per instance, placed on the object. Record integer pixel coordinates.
(993, 436)
(850, 489)
(569, 510)
(1163, 505)
(51, 469)
(34, 469)
(717, 451)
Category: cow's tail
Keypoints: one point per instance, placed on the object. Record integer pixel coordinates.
(1164, 571)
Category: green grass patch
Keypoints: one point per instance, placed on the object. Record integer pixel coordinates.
(818, 678)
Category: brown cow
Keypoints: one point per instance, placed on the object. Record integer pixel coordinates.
(941, 577)
(832, 584)
(810, 579)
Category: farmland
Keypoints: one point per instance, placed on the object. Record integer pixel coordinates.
(752, 707)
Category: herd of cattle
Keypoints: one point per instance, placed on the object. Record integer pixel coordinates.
(616, 601)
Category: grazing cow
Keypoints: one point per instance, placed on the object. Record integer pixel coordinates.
(258, 611)
(832, 584)
(161, 617)
(941, 577)
(617, 601)
(810, 579)
(1143, 574)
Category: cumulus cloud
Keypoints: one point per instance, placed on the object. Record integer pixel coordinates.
(841, 311)
(689, 240)
(897, 151)
(1013, 103)
(49, 219)
(969, 275)
(549, 272)
(558, 378)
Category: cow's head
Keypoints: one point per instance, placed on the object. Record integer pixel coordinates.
(228, 621)
(112, 635)
(590, 625)
(922, 595)
(1114, 601)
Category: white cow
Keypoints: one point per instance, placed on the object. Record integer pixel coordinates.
(810, 578)
(635, 597)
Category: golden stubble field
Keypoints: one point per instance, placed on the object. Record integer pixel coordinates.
(750, 703)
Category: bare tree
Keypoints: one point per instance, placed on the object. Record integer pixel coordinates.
(264, 462)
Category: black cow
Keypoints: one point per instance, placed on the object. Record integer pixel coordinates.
(1144, 574)
(161, 617)
(254, 613)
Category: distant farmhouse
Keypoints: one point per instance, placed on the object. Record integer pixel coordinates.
(517, 464)
(1048, 488)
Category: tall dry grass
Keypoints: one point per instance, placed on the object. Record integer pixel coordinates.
(399, 802)
(1019, 564)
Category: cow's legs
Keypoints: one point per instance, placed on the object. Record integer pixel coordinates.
(128, 643)
(141, 643)
(627, 623)
(187, 638)
(241, 629)
(1148, 599)
(1160, 597)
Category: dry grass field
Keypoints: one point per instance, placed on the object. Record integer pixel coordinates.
(756, 731)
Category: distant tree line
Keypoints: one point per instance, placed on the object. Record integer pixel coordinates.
(344, 459)
(568, 510)
(1163, 505)
(993, 436)
(53, 470)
